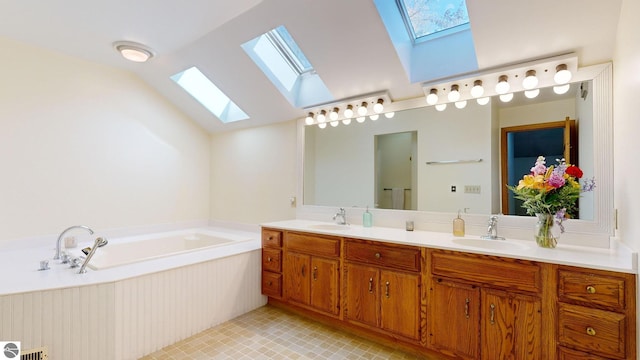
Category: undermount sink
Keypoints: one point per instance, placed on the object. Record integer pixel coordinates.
(490, 244)
(328, 227)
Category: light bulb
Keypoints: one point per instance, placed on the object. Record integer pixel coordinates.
(378, 107)
(322, 117)
(502, 87)
(348, 112)
(441, 107)
(309, 119)
(360, 119)
(477, 90)
(506, 97)
(389, 115)
(362, 110)
(374, 117)
(461, 104)
(322, 125)
(454, 94)
(530, 94)
(334, 123)
(561, 89)
(530, 81)
(333, 115)
(563, 75)
(432, 98)
(483, 101)
(346, 121)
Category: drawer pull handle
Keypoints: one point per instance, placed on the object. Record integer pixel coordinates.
(591, 331)
(302, 272)
(315, 273)
(386, 289)
(270, 283)
(591, 289)
(269, 258)
(492, 318)
(371, 285)
(270, 238)
(466, 307)
(378, 255)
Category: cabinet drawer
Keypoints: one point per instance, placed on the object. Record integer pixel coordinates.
(271, 284)
(591, 289)
(398, 257)
(313, 244)
(271, 238)
(271, 259)
(592, 330)
(497, 271)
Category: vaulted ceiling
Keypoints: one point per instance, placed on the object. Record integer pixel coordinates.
(345, 40)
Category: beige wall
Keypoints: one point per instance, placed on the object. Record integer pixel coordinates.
(82, 143)
(626, 82)
(253, 174)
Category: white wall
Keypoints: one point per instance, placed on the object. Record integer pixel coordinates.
(253, 174)
(626, 84)
(82, 143)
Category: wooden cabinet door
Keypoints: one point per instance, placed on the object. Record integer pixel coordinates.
(325, 285)
(511, 326)
(362, 294)
(296, 276)
(454, 319)
(400, 303)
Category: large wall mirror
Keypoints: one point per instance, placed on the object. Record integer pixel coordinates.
(452, 160)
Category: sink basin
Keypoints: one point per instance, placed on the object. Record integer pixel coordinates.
(328, 227)
(490, 244)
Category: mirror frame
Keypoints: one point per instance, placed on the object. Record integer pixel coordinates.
(595, 233)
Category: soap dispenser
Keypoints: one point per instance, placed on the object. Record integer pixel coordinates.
(458, 226)
(367, 218)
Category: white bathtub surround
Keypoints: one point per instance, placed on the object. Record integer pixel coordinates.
(128, 311)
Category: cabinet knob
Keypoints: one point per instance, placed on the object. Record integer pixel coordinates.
(378, 255)
(591, 331)
(270, 238)
(591, 289)
(269, 259)
(270, 283)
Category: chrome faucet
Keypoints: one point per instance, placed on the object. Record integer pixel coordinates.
(492, 229)
(340, 217)
(100, 242)
(57, 256)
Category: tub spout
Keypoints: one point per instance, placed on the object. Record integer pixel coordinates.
(57, 256)
(100, 242)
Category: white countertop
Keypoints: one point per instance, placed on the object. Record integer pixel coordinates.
(619, 258)
(20, 266)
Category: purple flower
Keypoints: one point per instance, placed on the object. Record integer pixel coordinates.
(589, 184)
(560, 215)
(556, 180)
(539, 168)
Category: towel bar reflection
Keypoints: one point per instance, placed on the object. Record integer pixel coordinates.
(389, 189)
(453, 162)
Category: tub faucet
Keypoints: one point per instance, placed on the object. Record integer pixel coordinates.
(100, 242)
(492, 229)
(57, 256)
(340, 217)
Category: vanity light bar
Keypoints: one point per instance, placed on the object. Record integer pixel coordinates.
(505, 80)
(358, 107)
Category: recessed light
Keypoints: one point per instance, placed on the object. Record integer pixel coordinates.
(133, 51)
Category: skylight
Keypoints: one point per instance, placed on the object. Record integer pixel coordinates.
(207, 93)
(425, 18)
(279, 57)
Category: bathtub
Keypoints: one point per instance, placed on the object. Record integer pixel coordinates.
(146, 292)
(131, 250)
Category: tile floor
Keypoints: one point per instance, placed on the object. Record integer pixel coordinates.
(272, 333)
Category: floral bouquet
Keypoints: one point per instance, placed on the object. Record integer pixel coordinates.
(551, 192)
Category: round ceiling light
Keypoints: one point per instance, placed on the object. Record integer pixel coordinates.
(133, 51)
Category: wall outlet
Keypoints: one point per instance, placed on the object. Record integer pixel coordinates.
(472, 189)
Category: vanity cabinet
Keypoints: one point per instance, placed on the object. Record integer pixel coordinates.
(272, 263)
(311, 271)
(596, 314)
(382, 287)
(484, 307)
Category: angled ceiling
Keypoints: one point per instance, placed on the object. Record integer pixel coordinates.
(344, 40)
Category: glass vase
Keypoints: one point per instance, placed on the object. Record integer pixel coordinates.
(546, 234)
